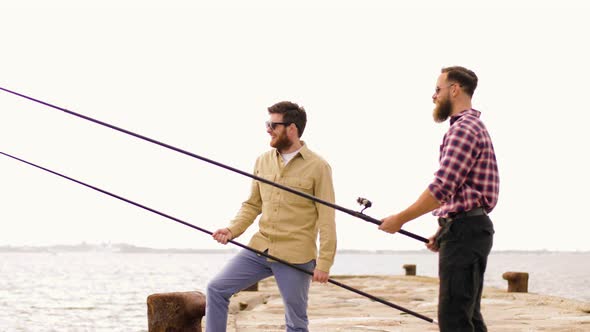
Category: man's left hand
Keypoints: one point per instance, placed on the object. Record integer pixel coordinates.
(391, 224)
(320, 276)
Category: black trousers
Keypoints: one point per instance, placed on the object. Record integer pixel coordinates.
(464, 246)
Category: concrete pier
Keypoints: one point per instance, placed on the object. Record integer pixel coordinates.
(332, 308)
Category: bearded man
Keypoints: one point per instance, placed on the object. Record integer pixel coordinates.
(464, 191)
(288, 227)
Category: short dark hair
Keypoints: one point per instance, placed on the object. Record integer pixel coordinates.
(465, 77)
(292, 113)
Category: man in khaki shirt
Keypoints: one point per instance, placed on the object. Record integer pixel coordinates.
(288, 227)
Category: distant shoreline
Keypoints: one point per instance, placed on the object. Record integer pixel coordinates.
(108, 248)
(129, 248)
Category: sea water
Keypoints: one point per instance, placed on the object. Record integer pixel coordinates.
(107, 291)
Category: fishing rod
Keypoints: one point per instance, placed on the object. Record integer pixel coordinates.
(332, 281)
(353, 213)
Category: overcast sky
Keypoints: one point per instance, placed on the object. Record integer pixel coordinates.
(200, 76)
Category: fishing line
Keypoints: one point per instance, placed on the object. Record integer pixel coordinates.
(332, 281)
(353, 213)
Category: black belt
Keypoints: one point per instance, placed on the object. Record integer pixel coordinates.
(478, 211)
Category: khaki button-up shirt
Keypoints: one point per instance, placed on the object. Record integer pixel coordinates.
(290, 224)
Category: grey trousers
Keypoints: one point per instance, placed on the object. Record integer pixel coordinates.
(244, 270)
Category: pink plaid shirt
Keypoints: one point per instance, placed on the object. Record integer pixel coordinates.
(468, 173)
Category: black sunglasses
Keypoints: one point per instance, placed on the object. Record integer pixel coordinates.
(273, 125)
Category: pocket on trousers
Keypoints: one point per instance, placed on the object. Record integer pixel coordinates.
(462, 285)
(455, 232)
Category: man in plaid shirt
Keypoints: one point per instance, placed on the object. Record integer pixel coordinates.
(464, 191)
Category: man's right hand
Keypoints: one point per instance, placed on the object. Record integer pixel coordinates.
(431, 245)
(222, 235)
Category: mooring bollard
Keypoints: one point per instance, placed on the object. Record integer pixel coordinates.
(176, 312)
(518, 282)
(410, 269)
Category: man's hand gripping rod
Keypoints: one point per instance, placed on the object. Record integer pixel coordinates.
(367, 204)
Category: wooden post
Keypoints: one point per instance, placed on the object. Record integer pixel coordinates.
(176, 312)
(517, 281)
(410, 269)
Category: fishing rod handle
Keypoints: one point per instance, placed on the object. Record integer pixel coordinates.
(413, 236)
(378, 222)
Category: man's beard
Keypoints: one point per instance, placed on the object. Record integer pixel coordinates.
(282, 142)
(442, 111)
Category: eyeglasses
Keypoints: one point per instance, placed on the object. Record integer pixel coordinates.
(437, 90)
(273, 125)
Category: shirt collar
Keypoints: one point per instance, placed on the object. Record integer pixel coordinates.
(469, 112)
(304, 151)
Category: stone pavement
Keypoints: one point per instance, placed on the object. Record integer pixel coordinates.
(332, 308)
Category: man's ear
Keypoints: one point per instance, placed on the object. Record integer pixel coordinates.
(293, 127)
(455, 89)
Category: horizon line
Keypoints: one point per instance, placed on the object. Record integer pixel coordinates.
(126, 247)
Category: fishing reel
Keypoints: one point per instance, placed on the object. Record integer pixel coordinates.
(364, 202)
